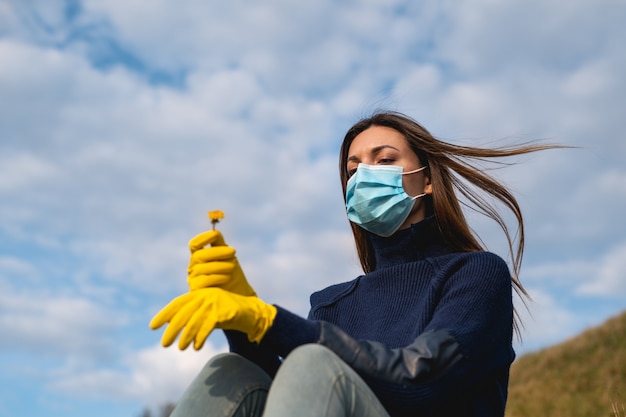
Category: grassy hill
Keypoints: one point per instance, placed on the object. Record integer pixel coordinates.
(581, 377)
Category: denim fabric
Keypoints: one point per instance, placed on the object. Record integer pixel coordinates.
(311, 382)
(228, 386)
(314, 382)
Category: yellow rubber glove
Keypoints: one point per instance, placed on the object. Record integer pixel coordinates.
(199, 312)
(216, 265)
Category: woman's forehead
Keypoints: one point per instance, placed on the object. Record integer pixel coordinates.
(376, 137)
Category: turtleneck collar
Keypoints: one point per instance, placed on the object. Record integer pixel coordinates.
(415, 243)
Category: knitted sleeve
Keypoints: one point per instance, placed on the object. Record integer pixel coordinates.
(266, 359)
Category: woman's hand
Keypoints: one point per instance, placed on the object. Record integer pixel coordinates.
(199, 312)
(216, 265)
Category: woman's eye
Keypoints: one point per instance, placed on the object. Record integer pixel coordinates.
(351, 172)
(386, 161)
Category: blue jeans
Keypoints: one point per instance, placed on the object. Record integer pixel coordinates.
(311, 382)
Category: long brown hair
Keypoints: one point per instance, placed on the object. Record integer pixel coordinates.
(449, 169)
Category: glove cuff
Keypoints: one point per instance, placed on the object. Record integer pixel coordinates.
(265, 315)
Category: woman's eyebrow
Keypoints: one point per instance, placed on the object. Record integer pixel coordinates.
(381, 147)
(374, 151)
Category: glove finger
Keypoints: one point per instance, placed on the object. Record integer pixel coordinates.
(217, 267)
(206, 281)
(168, 311)
(206, 328)
(191, 328)
(199, 342)
(189, 332)
(213, 237)
(214, 253)
(179, 321)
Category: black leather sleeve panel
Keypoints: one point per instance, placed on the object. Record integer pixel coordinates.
(428, 356)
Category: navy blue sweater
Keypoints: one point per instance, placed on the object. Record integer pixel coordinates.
(429, 330)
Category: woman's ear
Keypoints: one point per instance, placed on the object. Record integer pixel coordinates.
(428, 188)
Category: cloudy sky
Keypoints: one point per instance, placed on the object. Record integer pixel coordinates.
(123, 122)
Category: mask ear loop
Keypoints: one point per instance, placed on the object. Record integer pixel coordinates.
(417, 196)
(413, 172)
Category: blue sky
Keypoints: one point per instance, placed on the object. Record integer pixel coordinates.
(123, 122)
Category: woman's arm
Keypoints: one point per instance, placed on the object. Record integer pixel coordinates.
(467, 340)
(266, 359)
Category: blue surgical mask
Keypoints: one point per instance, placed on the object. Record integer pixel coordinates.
(376, 200)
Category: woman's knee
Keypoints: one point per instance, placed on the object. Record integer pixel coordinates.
(314, 353)
(221, 362)
(317, 361)
(315, 379)
(225, 360)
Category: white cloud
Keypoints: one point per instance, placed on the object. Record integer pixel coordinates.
(154, 264)
(608, 278)
(592, 79)
(299, 263)
(151, 376)
(545, 322)
(487, 36)
(15, 267)
(236, 30)
(20, 171)
(613, 184)
(599, 276)
(65, 326)
(590, 204)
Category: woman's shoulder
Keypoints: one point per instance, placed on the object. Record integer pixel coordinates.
(470, 257)
(332, 293)
(480, 275)
(483, 261)
(485, 257)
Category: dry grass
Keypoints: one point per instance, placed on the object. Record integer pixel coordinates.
(582, 377)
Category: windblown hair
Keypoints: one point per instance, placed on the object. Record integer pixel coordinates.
(450, 169)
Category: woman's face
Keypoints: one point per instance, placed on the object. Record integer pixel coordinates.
(379, 145)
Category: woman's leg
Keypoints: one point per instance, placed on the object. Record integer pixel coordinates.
(314, 382)
(228, 386)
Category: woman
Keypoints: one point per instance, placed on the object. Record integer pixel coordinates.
(427, 331)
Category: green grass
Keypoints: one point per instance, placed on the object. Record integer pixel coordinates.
(582, 377)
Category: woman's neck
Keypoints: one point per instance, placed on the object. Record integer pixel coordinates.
(419, 241)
